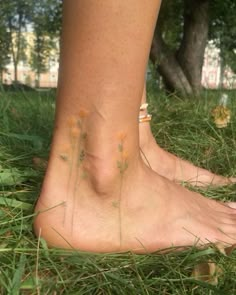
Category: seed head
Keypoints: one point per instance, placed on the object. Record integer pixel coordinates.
(122, 136)
(75, 132)
(83, 113)
(72, 121)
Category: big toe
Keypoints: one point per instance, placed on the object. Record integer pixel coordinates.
(232, 179)
(231, 204)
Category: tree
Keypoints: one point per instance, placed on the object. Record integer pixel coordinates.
(41, 49)
(54, 17)
(179, 44)
(40, 53)
(17, 15)
(4, 49)
(44, 39)
(223, 31)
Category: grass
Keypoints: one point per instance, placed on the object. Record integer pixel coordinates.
(27, 266)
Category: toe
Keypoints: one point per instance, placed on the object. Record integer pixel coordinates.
(231, 205)
(232, 180)
(223, 207)
(228, 233)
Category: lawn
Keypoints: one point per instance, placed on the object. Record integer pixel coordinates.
(27, 266)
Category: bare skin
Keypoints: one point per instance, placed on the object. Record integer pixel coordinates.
(154, 213)
(171, 166)
(98, 195)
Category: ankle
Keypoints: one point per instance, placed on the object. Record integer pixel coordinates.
(101, 171)
(95, 153)
(146, 138)
(105, 173)
(102, 175)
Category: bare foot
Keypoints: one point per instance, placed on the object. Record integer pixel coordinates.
(132, 209)
(173, 167)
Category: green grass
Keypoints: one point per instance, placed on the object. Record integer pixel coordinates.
(27, 266)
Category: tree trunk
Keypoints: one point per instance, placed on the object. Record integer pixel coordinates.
(191, 52)
(37, 82)
(14, 56)
(15, 71)
(1, 76)
(181, 69)
(16, 48)
(168, 67)
(222, 72)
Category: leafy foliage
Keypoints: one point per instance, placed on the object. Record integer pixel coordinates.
(180, 25)
(223, 30)
(44, 41)
(171, 22)
(4, 48)
(16, 15)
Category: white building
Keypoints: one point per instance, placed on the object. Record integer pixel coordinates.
(25, 73)
(213, 76)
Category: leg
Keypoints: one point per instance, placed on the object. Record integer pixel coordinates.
(172, 167)
(97, 194)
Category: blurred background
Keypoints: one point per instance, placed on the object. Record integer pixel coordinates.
(194, 46)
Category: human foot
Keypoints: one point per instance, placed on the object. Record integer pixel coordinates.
(173, 167)
(131, 208)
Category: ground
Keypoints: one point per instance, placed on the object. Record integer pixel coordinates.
(184, 127)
